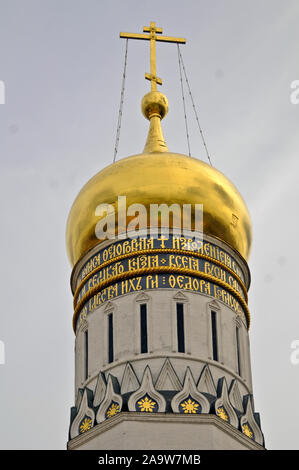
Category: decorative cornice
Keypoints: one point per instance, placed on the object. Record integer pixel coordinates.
(173, 356)
(108, 400)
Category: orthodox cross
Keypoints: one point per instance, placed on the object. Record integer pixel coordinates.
(153, 37)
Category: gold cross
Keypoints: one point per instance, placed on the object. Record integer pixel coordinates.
(152, 37)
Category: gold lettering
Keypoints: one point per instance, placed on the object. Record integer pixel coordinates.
(205, 287)
(150, 243)
(162, 240)
(172, 281)
(194, 264)
(155, 260)
(124, 287)
(195, 284)
(207, 268)
(112, 291)
(133, 264)
(138, 286)
(152, 282)
(172, 260)
(131, 284)
(126, 247)
(176, 243)
(180, 281)
(144, 262)
(189, 284)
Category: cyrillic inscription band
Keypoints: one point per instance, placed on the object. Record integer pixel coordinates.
(160, 262)
(123, 247)
(155, 260)
(161, 281)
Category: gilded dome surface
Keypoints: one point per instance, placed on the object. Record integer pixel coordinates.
(156, 178)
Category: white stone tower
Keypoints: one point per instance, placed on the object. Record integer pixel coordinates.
(162, 357)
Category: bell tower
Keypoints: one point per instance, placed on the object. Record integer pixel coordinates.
(159, 243)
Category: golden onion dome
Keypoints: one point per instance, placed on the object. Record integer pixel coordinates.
(158, 176)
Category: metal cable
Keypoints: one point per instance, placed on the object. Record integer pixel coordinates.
(193, 105)
(184, 104)
(121, 104)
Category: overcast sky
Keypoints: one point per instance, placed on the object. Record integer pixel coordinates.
(61, 62)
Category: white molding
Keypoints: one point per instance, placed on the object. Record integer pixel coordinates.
(84, 410)
(235, 396)
(100, 390)
(109, 307)
(147, 387)
(206, 383)
(142, 297)
(180, 297)
(175, 356)
(83, 326)
(190, 389)
(223, 401)
(79, 397)
(249, 417)
(129, 381)
(168, 374)
(110, 396)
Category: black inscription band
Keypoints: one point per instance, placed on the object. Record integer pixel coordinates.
(164, 277)
(124, 247)
(162, 258)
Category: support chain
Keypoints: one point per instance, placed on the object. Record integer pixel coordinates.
(193, 105)
(121, 104)
(184, 104)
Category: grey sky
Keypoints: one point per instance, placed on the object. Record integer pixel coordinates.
(61, 61)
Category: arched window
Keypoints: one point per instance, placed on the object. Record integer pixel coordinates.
(214, 335)
(143, 324)
(181, 323)
(238, 345)
(143, 328)
(180, 327)
(85, 354)
(110, 338)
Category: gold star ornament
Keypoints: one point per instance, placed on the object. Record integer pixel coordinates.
(190, 406)
(85, 425)
(147, 405)
(222, 414)
(112, 410)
